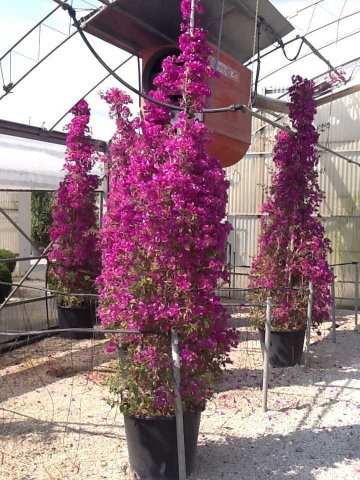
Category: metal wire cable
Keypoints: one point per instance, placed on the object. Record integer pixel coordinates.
(256, 26)
(257, 75)
(302, 9)
(282, 46)
(355, 32)
(52, 292)
(265, 54)
(2, 73)
(29, 333)
(338, 23)
(311, 18)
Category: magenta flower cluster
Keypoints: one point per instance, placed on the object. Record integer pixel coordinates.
(75, 257)
(292, 246)
(164, 239)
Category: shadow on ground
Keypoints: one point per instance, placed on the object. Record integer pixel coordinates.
(44, 431)
(340, 361)
(297, 456)
(25, 370)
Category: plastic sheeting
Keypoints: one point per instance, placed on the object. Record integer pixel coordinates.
(30, 164)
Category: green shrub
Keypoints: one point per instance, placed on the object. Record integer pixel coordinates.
(5, 253)
(41, 218)
(5, 276)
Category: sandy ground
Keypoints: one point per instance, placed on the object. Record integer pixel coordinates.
(55, 423)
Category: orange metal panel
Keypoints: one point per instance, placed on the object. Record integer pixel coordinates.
(231, 130)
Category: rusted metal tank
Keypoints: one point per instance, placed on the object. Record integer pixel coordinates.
(146, 28)
(231, 132)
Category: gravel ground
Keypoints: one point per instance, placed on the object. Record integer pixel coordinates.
(56, 425)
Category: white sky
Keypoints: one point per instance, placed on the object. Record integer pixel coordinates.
(51, 89)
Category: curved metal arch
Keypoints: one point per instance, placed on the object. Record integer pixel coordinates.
(8, 88)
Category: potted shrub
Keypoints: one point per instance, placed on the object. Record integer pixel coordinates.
(292, 248)
(5, 253)
(74, 257)
(163, 249)
(5, 276)
(6, 269)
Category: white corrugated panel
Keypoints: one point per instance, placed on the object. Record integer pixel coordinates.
(246, 185)
(340, 180)
(343, 119)
(250, 176)
(243, 238)
(344, 234)
(9, 200)
(243, 243)
(9, 236)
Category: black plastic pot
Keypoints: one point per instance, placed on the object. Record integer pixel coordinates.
(285, 347)
(5, 276)
(152, 445)
(76, 317)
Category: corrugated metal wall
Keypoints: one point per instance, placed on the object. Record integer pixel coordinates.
(9, 236)
(339, 125)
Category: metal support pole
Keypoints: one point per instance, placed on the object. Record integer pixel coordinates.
(308, 325)
(20, 259)
(356, 300)
(12, 293)
(101, 209)
(46, 295)
(235, 246)
(266, 354)
(333, 310)
(234, 271)
(192, 17)
(178, 405)
(318, 54)
(19, 229)
(229, 270)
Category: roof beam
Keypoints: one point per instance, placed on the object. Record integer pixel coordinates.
(37, 133)
(269, 104)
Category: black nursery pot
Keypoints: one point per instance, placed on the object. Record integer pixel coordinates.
(152, 445)
(77, 317)
(285, 347)
(4, 292)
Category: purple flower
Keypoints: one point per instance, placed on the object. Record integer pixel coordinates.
(75, 256)
(163, 241)
(292, 248)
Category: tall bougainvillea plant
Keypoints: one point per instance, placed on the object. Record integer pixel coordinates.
(75, 257)
(164, 239)
(292, 246)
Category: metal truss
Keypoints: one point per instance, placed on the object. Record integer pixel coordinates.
(11, 79)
